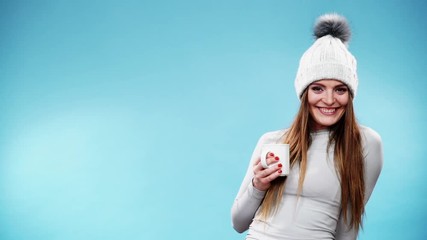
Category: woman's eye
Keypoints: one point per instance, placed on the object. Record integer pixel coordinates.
(316, 89)
(341, 90)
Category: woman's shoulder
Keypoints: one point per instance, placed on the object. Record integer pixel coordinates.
(372, 151)
(370, 135)
(273, 136)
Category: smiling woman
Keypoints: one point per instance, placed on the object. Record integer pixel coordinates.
(334, 161)
(328, 100)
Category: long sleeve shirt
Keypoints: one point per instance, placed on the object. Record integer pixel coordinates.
(316, 212)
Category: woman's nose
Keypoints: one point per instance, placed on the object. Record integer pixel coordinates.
(329, 98)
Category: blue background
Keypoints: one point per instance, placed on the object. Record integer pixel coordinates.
(137, 119)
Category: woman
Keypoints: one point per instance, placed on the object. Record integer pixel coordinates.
(335, 162)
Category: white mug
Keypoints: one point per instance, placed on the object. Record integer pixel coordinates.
(279, 150)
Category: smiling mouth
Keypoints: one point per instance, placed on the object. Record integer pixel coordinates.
(328, 111)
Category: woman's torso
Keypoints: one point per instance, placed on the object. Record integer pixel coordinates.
(315, 212)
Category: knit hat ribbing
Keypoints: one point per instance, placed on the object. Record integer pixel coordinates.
(328, 57)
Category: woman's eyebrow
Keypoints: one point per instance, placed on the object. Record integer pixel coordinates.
(322, 85)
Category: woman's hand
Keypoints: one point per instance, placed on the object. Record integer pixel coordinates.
(263, 176)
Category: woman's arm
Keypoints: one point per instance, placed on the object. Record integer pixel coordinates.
(248, 198)
(373, 164)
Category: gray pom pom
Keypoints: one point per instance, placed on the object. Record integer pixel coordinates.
(334, 25)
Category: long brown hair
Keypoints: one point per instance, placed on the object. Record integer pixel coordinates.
(348, 158)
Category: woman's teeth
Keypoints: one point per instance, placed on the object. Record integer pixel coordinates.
(327, 110)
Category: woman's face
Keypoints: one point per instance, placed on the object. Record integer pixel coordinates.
(327, 100)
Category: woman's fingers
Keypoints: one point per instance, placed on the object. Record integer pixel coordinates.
(270, 177)
(263, 176)
(265, 172)
(257, 166)
(260, 171)
(271, 158)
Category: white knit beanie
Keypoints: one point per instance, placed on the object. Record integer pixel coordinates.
(328, 57)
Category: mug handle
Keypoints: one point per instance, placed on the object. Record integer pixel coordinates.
(264, 160)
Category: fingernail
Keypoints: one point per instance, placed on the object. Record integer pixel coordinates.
(271, 154)
(279, 165)
(276, 158)
(280, 171)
